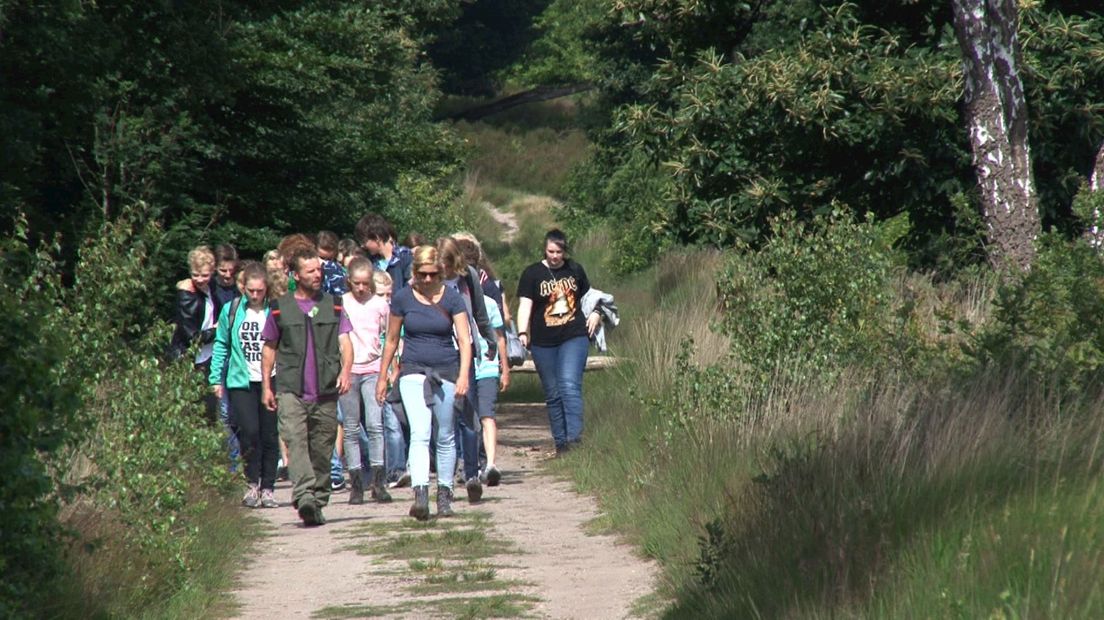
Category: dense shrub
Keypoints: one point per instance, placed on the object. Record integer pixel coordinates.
(1052, 320)
(39, 406)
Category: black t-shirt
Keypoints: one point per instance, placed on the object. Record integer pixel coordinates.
(557, 296)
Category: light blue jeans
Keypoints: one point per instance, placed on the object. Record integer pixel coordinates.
(233, 447)
(561, 375)
(396, 441)
(412, 390)
(362, 390)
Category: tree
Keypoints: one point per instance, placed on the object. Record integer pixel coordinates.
(996, 114)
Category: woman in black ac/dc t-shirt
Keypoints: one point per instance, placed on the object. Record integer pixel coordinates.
(552, 325)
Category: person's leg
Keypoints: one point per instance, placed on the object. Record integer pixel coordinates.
(337, 469)
(249, 431)
(293, 430)
(270, 442)
(469, 434)
(487, 390)
(349, 413)
(419, 415)
(547, 361)
(373, 419)
(229, 423)
(395, 450)
(322, 430)
(572, 363)
(445, 414)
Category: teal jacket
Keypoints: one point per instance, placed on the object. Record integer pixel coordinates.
(228, 341)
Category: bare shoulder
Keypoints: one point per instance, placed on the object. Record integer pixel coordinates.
(185, 285)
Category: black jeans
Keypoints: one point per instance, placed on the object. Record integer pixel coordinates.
(260, 446)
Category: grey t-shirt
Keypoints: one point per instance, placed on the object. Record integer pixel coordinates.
(427, 329)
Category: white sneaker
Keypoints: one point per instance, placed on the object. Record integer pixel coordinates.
(252, 497)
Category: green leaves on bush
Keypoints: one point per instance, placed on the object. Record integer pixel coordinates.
(1051, 322)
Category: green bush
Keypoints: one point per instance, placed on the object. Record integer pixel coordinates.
(817, 295)
(1052, 320)
(38, 420)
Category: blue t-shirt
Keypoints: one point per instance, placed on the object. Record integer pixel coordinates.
(427, 329)
(485, 368)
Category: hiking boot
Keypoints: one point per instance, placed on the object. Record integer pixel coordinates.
(252, 497)
(492, 475)
(444, 502)
(268, 499)
(356, 486)
(475, 489)
(420, 509)
(379, 489)
(310, 513)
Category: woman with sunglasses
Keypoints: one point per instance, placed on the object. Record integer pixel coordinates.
(434, 371)
(551, 324)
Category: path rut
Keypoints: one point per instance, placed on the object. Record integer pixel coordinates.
(552, 568)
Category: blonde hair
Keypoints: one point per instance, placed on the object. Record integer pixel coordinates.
(467, 236)
(452, 259)
(357, 265)
(381, 279)
(426, 255)
(277, 281)
(200, 257)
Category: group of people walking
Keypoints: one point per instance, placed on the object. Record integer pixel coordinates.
(377, 359)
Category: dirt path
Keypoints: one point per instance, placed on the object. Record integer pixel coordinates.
(523, 551)
(507, 219)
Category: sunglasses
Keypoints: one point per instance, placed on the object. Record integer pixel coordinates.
(427, 275)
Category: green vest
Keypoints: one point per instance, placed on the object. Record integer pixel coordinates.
(291, 353)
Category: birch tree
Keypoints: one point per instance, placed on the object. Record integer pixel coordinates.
(996, 115)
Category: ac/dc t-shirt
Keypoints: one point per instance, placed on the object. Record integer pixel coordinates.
(557, 296)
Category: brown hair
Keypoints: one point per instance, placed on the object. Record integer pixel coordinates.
(225, 252)
(251, 270)
(327, 241)
(291, 244)
(450, 256)
(362, 264)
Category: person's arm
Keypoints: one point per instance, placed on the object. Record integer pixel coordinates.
(525, 308)
(503, 363)
(463, 334)
(268, 360)
(394, 326)
(479, 307)
(345, 379)
(221, 351)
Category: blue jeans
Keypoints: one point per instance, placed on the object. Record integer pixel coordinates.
(411, 387)
(561, 375)
(470, 431)
(337, 469)
(362, 391)
(395, 441)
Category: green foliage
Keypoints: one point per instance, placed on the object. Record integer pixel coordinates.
(38, 421)
(1052, 320)
(816, 296)
(752, 109)
(235, 121)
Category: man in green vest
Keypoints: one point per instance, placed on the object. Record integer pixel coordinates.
(307, 342)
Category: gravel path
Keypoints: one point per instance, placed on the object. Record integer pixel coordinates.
(554, 568)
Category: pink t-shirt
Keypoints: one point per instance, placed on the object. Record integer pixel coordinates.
(369, 320)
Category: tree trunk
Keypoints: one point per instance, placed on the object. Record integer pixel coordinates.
(997, 120)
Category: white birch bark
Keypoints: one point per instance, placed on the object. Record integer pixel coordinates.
(997, 120)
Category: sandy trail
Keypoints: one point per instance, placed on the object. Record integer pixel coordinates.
(296, 572)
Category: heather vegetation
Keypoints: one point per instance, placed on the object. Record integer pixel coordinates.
(829, 401)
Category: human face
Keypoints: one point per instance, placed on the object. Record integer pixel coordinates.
(275, 264)
(376, 247)
(226, 271)
(360, 284)
(325, 254)
(255, 291)
(554, 254)
(384, 292)
(201, 278)
(309, 276)
(427, 277)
